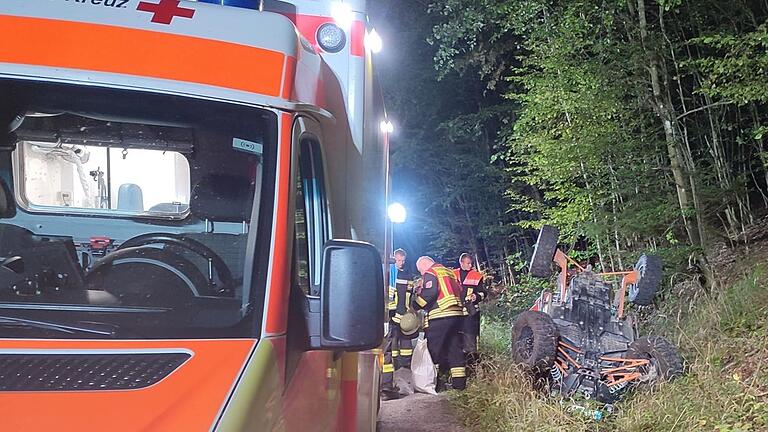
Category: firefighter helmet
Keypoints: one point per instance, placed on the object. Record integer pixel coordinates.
(409, 323)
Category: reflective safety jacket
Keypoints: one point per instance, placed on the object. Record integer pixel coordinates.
(472, 283)
(441, 294)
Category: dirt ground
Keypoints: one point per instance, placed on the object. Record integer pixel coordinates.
(418, 413)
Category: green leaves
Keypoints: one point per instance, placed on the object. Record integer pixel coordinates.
(736, 67)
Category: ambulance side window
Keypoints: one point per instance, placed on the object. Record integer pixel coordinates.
(311, 222)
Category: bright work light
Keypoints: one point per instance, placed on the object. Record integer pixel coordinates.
(342, 14)
(386, 126)
(397, 213)
(373, 41)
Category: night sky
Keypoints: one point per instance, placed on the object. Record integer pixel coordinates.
(400, 66)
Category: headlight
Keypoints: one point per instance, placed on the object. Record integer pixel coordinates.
(331, 38)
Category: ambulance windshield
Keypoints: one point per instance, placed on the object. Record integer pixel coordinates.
(132, 210)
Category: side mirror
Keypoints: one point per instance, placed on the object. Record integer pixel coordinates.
(351, 297)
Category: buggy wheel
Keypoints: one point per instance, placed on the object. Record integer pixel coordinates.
(534, 341)
(544, 252)
(644, 290)
(665, 361)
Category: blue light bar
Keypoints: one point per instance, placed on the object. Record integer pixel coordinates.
(246, 4)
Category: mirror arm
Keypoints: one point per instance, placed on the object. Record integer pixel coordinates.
(312, 317)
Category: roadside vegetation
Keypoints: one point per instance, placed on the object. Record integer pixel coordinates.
(722, 334)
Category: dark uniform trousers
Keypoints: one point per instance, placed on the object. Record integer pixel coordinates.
(471, 327)
(398, 352)
(390, 354)
(402, 348)
(445, 347)
(471, 331)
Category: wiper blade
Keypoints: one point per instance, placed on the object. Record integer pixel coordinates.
(92, 328)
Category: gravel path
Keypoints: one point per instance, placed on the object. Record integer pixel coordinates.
(418, 413)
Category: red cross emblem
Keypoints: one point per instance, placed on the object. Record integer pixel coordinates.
(165, 11)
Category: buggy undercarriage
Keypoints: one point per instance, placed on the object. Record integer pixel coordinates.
(579, 339)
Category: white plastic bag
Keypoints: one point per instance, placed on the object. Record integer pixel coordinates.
(424, 374)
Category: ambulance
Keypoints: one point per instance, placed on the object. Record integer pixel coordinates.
(192, 216)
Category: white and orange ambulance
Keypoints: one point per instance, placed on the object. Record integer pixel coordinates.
(192, 216)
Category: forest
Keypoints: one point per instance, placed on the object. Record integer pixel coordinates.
(632, 125)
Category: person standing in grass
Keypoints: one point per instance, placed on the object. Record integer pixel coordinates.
(474, 293)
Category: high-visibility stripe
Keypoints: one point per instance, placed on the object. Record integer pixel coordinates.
(404, 352)
(357, 36)
(420, 301)
(441, 283)
(470, 291)
(172, 404)
(388, 368)
(458, 372)
(401, 281)
(130, 51)
(288, 77)
(277, 306)
(395, 353)
(437, 313)
(447, 302)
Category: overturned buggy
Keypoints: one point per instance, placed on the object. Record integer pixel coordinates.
(578, 337)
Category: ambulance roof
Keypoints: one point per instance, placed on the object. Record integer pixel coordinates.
(163, 45)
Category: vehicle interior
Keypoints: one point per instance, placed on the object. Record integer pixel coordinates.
(126, 201)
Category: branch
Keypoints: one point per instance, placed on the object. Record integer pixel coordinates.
(703, 108)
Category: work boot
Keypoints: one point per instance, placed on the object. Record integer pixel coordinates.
(442, 384)
(390, 393)
(459, 383)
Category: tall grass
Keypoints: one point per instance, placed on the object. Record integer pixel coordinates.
(722, 335)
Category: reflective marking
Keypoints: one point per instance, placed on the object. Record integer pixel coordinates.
(144, 53)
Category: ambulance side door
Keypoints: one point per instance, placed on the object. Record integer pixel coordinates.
(312, 377)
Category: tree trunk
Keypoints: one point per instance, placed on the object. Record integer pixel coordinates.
(664, 109)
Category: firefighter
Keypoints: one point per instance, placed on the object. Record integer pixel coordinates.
(388, 388)
(403, 343)
(441, 297)
(474, 293)
(399, 346)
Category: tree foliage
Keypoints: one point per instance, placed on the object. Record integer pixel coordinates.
(631, 124)
(445, 136)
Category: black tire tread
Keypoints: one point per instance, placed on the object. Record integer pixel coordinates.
(545, 336)
(663, 351)
(544, 252)
(649, 283)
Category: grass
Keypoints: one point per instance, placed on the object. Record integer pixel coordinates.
(722, 335)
